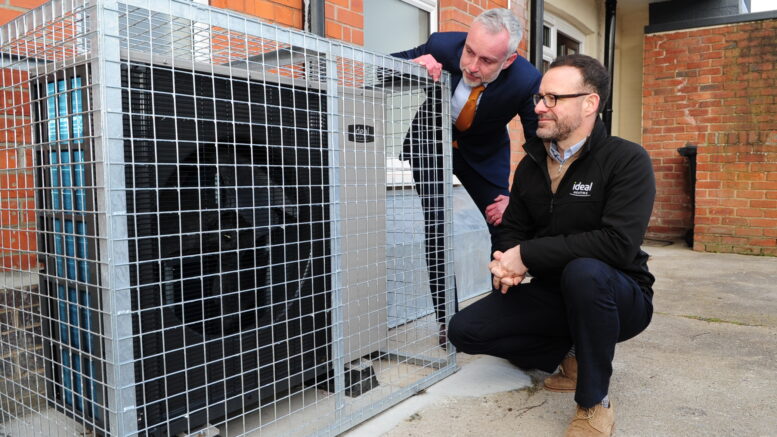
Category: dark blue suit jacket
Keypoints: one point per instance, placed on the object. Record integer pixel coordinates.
(485, 146)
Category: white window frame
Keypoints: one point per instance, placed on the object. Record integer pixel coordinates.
(429, 6)
(399, 172)
(557, 24)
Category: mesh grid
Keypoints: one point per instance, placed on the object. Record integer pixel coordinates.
(205, 225)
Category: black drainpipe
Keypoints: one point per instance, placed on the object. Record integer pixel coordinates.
(315, 17)
(609, 56)
(536, 24)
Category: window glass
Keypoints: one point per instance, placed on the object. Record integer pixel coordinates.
(566, 45)
(394, 25)
(559, 38)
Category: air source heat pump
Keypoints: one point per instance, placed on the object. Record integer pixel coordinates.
(255, 209)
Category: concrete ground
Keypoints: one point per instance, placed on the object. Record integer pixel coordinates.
(706, 366)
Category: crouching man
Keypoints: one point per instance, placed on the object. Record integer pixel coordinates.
(579, 207)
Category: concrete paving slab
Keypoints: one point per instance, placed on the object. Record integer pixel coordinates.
(482, 376)
(705, 366)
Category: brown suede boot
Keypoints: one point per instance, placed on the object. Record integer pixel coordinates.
(596, 421)
(565, 380)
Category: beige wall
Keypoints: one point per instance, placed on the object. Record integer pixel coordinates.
(627, 89)
(585, 16)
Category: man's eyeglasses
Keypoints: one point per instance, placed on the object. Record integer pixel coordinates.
(550, 100)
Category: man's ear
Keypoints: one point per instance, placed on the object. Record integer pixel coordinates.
(509, 60)
(592, 104)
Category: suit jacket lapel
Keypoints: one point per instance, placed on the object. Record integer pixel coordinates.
(455, 78)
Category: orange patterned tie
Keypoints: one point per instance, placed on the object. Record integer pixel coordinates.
(467, 114)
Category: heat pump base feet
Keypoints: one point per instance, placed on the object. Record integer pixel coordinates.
(359, 378)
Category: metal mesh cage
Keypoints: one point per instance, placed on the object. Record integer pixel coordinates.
(206, 226)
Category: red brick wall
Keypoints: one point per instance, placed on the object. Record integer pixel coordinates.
(716, 88)
(345, 20)
(19, 308)
(17, 202)
(456, 15)
(284, 12)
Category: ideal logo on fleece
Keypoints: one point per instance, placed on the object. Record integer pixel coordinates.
(580, 189)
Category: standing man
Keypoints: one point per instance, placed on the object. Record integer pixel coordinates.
(579, 207)
(491, 84)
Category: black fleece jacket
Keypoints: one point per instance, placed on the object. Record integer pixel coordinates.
(600, 210)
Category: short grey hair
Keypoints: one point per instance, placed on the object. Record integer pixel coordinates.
(496, 20)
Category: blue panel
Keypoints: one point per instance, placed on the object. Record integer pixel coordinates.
(82, 252)
(64, 133)
(67, 181)
(71, 248)
(78, 153)
(55, 183)
(64, 351)
(59, 248)
(78, 120)
(79, 179)
(51, 105)
(75, 346)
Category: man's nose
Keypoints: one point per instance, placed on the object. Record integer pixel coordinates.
(474, 65)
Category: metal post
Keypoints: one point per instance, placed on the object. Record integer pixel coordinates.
(609, 57)
(121, 405)
(317, 17)
(536, 24)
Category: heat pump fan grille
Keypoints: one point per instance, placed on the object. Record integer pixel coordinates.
(227, 194)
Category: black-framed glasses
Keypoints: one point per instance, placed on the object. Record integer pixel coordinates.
(550, 100)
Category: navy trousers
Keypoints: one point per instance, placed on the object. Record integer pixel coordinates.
(592, 305)
(428, 176)
(480, 189)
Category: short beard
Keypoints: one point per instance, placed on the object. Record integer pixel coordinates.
(470, 83)
(560, 131)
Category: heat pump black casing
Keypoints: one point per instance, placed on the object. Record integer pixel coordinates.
(228, 224)
(229, 219)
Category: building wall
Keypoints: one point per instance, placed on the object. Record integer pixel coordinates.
(285, 12)
(16, 195)
(627, 86)
(716, 88)
(20, 323)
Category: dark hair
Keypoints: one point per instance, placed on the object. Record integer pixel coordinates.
(595, 76)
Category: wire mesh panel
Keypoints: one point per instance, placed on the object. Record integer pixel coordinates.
(210, 225)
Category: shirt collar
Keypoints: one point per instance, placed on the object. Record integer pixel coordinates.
(467, 87)
(555, 154)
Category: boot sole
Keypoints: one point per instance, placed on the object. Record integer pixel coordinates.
(559, 390)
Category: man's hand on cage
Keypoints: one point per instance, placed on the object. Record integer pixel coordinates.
(433, 67)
